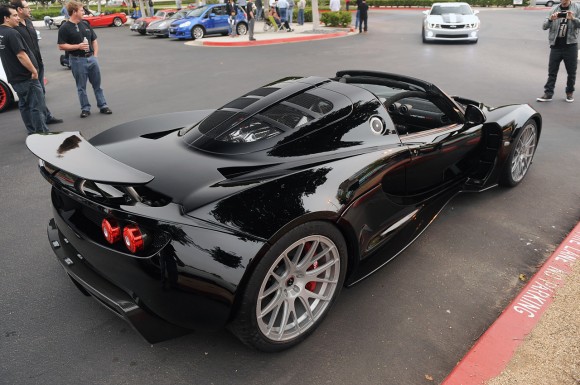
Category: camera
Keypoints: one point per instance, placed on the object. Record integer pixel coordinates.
(562, 14)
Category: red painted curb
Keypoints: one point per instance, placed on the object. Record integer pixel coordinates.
(495, 348)
(272, 41)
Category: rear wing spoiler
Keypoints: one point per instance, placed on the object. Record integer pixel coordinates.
(70, 152)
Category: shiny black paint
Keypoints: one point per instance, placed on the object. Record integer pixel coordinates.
(227, 210)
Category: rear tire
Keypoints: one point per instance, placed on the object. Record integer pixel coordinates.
(117, 22)
(520, 159)
(292, 288)
(242, 29)
(6, 97)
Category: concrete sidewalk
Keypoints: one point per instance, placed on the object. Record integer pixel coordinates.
(300, 33)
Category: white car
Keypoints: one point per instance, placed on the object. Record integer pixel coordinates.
(7, 93)
(450, 22)
(547, 3)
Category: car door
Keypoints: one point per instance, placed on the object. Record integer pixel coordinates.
(443, 152)
(220, 19)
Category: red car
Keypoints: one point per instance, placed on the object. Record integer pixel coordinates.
(140, 25)
(96, 19)
(105, 19)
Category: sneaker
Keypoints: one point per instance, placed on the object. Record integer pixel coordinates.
(53, 120)
(106, 111)
(545, 98)
(569, 97)
(84, 113)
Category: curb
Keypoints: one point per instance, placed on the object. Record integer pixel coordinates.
(495, 348)
(271, 41)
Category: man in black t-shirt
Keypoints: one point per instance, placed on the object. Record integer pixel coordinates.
(78, 38)
(22, 72)
(26, 29)
(564, 25)
(251, 14)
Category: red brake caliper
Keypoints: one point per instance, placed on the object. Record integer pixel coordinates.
(310, 286)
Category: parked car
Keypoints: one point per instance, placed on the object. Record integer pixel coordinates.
(547, 3)
(7, 93)
(140, 25)
(96, 19)
(207, 20)
(253, 216)
(160, 28)
(450, 22)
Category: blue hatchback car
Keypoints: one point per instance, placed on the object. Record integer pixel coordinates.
(207, 20)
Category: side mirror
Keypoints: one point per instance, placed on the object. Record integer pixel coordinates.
(474, 115)
(211, 15)
(425, 13)
(476, 12)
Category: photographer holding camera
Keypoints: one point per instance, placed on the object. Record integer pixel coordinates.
(564, 24)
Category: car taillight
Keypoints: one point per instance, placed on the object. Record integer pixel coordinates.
(111, 230)
(133, 238)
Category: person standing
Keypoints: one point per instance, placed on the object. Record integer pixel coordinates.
(232, 13)
(28, 33)
(151, 8)
(290, 11)
(283, 8)
(22, 72)
(364, 16)
(78, 38)
(301, 6)
(251, 13)
(564, 24)
(334, 5)
(259, 10)
(357, 17)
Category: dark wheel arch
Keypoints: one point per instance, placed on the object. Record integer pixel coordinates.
(6, 97)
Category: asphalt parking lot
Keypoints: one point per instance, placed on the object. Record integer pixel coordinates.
(415, 317)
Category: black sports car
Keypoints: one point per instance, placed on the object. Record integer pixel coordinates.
(255, 215)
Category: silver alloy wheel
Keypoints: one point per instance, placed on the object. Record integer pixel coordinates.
(197, 32)
(298, 288)
(242, 29)
(524, 152)
(117, 22)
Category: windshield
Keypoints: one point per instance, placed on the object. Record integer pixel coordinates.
(197, 12)
(461, 9)
(179, 15)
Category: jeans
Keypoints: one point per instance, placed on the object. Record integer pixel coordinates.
(363, 20)
(301, 17)
(232, 28)
(47, 112)
(31, 105)
(357, 19)
(251, 28)
(569, 55)
(83, 69)
(259, 13)
(283, 14)
(290, 14)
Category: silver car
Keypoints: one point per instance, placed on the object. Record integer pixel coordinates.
(547, 3)
(450, 22)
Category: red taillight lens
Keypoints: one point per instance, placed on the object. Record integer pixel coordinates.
(134, 239)
(111, 230)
